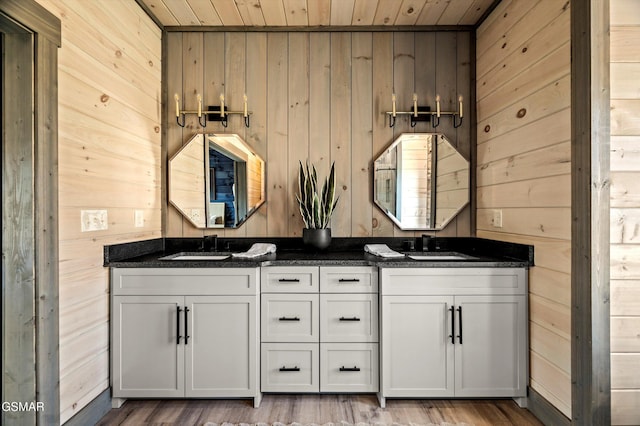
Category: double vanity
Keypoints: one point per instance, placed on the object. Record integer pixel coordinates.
(197, 324)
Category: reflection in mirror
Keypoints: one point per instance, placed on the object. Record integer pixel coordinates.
(420, 181)
(187, 181)
(232, 176)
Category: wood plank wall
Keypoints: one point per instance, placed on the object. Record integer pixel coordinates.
(317, 96)
(109, 158)
(625, 211)
(523, 168)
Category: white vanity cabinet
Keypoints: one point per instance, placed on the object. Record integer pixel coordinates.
(184, 332)
(319, 329)
(454, 332)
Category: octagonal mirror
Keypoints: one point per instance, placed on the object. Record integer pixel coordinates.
(216, 181)
(421, 182)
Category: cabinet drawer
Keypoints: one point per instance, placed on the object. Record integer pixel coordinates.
(453, 281)
(288, 367)
(349, 367)
(289, 318)
(353, 279)
(349, 317)
(287, 279)
(185, 281)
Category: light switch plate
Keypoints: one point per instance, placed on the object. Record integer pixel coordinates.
(93, 220)
(496, 220)
(139, 218)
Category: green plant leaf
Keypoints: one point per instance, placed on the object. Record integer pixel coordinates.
(316, 211)
(316, 207)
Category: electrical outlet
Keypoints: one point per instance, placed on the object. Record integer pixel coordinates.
(93, 220)
(496, 220)
(138, 218)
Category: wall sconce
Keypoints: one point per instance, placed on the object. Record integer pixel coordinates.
(424, 113)
(214, 112)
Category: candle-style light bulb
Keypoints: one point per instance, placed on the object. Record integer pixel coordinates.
(246, 113)
(460, 105)
(177, 98)
(393, 104)
(199, 105)
(438, 106)
(221, 105)
(415, 105)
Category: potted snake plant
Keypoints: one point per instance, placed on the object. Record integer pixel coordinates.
(316, 206)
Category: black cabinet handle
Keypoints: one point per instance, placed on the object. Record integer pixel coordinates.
(178, 312)
(349, 319)
(343, 368)
(289, 280)
(460, 325)
(186, 325)
(288, 319)
(349, 280)
(453, 323)
(283, 368)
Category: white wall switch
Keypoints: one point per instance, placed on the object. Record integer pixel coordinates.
(93, 220)
(138, 218)
(496, 220)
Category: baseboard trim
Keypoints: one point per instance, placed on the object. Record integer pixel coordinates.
(92, 412)
(544, 411)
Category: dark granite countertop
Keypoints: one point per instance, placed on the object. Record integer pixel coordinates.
(476, 252)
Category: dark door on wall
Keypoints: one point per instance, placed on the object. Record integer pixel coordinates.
(18, 254)
(28, 80)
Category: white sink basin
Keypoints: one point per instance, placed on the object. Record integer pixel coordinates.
(195, 256)
(436, 257)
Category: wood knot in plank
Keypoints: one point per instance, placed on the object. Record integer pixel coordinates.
(521, 112)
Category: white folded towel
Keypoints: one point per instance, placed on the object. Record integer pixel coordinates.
(256, 250)
(381, 250)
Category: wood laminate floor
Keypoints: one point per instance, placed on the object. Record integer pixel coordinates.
(320, 409)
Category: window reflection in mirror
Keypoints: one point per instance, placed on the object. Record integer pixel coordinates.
(420, 181)
(232, 180)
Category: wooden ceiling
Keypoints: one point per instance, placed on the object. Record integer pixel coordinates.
(316, 13)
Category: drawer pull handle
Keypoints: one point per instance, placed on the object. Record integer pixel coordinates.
(289, 280)
(186, 326)
(178, 312)
(453, 324)
(288, 319)
(283, 368)
(460, 323)
(349, 280)
(343, 368)
(349, 319)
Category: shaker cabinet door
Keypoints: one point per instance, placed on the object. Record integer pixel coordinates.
(221, 352)
(147, 359)
(491, 337)
(417, 357)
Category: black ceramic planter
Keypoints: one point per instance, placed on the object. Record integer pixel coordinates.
(318, 239)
